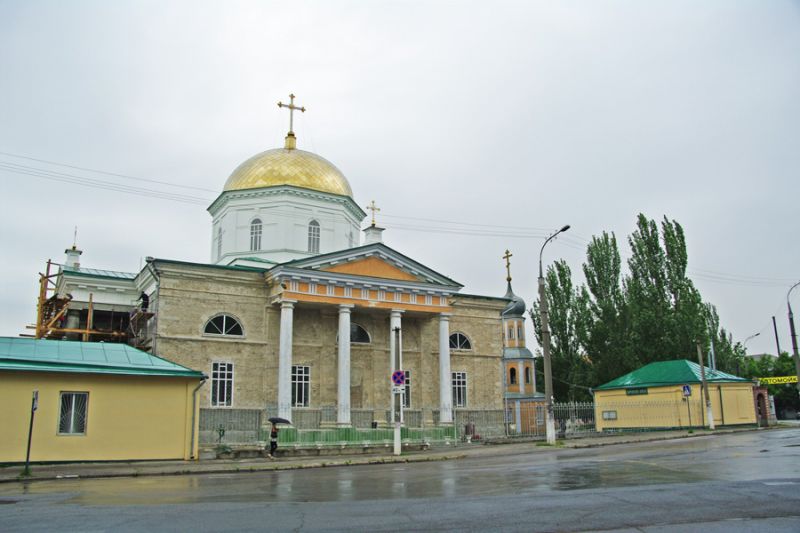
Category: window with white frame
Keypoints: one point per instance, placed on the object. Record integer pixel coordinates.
(72, 417)
(511, 332)
(512, 376)
(459, 341)
(313, 237)
(519, 332)
(459, 389)
(255, 235)
(527, 375)
(221, 384)
(223, 325)
(407, 395)
(301, 385)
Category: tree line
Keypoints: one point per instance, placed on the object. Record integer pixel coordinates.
(618, 321)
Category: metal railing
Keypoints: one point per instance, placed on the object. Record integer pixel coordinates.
(317, 426)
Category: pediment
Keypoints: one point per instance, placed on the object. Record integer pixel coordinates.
(373, 267)
(373, 261)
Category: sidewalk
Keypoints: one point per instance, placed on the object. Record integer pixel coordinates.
(11, 474)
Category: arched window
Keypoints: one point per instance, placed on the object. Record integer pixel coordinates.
(459, 341)
(223, 325)
(512, 376)
(219, 242)
(313, 237)
(255, 235)
(527, 375)
(358, 334)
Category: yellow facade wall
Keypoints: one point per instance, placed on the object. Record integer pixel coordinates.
(666, 407)
(128, 418)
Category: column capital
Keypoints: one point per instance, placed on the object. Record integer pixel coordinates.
(288, 304)
(445, 316)
(345, 308)
(397, 312)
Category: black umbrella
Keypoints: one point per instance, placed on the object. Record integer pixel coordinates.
(278, 420)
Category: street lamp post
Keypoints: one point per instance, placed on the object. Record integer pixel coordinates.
(794, 336)
(548, 373)
(744, 347)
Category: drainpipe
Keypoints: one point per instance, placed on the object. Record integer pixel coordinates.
(194, 412)
(154, 272)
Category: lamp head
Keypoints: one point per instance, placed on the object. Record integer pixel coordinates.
(565, 228)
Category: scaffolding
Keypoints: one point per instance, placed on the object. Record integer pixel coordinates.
(52, 309)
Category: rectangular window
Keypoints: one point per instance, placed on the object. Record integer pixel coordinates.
(609, 415)
(511, 332)
(301, 383)
(407, 395)
(222, 385)
(459, 389)
(255, 236)
(519, 332)
(72, 418)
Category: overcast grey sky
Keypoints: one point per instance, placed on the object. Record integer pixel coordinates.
(526, 115)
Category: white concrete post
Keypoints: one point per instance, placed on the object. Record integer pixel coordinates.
(445, 379)
(343, 410)
(285, 360)
(394, 322)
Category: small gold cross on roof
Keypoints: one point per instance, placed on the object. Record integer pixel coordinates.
(374, 208)
(292, 109)
(507, 257)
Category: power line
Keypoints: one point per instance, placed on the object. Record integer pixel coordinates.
(160, 182)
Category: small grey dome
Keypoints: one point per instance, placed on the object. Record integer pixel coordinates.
(516, 307)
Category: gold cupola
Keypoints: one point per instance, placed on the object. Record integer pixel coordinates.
(289, 166)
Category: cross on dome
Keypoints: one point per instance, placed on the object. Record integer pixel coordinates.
(291, 107)
(507, 257)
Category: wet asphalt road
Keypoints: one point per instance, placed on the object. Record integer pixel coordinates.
(738, 482)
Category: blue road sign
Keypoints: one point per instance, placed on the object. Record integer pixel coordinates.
(687, 390)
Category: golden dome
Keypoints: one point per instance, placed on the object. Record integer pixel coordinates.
(289, 166)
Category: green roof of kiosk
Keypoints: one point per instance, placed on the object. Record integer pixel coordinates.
(664, 373)
(39, 355)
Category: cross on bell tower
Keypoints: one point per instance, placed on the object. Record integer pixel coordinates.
(291, 140)
(507, 257)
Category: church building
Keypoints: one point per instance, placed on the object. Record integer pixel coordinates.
(296, 315)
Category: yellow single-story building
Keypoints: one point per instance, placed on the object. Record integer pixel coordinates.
(95, 402)
(667, 394)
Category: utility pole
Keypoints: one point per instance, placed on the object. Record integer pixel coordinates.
(34, 407)
(397, 399)
(775, 329)
(548, 372)
(709, 411)
(794, 336)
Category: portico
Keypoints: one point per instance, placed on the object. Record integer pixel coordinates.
(422, 297)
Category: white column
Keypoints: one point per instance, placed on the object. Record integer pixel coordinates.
(533, 373)
(394, 322)
(285, 360)
(343, 411)
(521, 376)
(445, 379)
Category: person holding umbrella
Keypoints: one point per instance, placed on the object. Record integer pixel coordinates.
(273, 434)
(273, 440)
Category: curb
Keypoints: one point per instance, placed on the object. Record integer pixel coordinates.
(251, 468)
(245, 468)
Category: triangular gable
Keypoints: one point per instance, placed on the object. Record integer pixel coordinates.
(373, 260)
(373, 267)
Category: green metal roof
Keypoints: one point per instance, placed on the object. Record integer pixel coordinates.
(661, 373)
(97, 273)
(41, 355)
